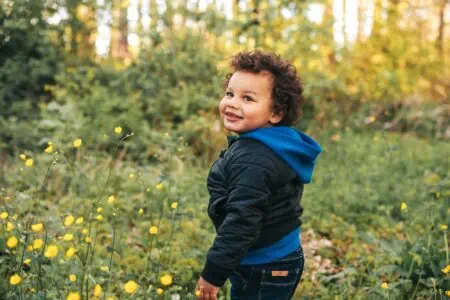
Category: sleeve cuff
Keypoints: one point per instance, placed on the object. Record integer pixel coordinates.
(215, 274)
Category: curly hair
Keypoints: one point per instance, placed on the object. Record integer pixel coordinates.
(287, 86)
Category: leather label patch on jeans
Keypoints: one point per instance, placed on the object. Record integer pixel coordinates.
(280, 273)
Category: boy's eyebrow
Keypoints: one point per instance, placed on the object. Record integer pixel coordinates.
(244, 91)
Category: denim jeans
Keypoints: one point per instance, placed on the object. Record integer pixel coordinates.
(276, 280)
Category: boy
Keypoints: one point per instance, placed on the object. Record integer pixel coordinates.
(256, 184)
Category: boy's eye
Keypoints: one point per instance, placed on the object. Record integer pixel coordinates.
(229, 94)
(248, 98)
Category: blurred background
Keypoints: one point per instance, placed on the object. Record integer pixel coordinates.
(377, 88)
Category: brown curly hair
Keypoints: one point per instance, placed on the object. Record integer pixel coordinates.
(287, 86)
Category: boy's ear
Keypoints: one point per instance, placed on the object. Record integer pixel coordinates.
(275, 117)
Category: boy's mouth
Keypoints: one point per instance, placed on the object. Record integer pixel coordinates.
(232, 116)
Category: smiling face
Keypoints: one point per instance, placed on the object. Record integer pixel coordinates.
(248, 102)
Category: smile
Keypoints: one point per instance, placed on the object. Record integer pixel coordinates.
(231, 116)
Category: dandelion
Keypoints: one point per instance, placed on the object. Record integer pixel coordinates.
(27, 261)
(404, 206)
(159, 186)
(68, 220)
(159, 291)
(384, 285)
(85, 231)
(77, 143)
(68, 237)
(130, 287)
(88, 240)
(37, 227)
(443, 227)
(14, 217)
(71, 252)
(49, 149)
(97, 290)
(447, 293)
(174, 205)
(141, 211)
(73, 296)
(118, 130)
(99, 218)
(4, 215)
(110, 298)
(166, 280)
(198, 293)
(38, 243)
(12, 242)
(79, 221)
(446, 270)
(99, 209)
(29, 248)
(51, 251)
(23, 156)
(29, 162)
(153, 230)
(104, 269)
(72, 277)
(131, 176)
(9, 226)
(15, 279)
(111, 199)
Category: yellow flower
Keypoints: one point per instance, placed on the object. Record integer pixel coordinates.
(404, 206)
(4, 215)
(38, 243)
(68, 220)
(37, 227)
(141, 211)
(49, 149)
(72, 277)
(159, 291)
(153, 230)
(104, 268)
(447, 293)
(99, 218)
(159, 186)
(71, 252)
(23, 156)
(27, 261)
(88, 240)
(174, 205)
(12, 242)
(85, 231)
(118, 130)
(77, 143)
(73, 296)
(68, 237)
(29, 248)
(111, 199)
(446, 269)
(79, 221)
(14, 217)
(15, 279)
(51, 251)
(9, 226)
(131, 176)
(166, 280)
(443, 227)
(29, 162)
(131, 287)
(384, 285)
(197, 293)
(110, 298)
(97, 290)
(99, 209)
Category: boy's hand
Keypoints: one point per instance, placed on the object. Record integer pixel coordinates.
(205, 290)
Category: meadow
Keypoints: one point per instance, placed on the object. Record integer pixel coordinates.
(79, 224)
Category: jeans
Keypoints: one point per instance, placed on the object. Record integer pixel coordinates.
(276, 280)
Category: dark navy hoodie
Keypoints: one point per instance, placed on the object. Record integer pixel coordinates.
(299, 151)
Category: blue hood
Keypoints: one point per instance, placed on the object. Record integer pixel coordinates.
(296, 148)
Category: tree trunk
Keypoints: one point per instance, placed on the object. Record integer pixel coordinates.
(361, 19)
(440, 37)
(119, 32)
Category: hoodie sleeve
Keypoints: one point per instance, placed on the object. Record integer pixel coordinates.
(250, 176)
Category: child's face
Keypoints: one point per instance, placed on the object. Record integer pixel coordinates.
(248, 103)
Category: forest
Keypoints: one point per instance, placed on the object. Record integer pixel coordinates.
(109, 111)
